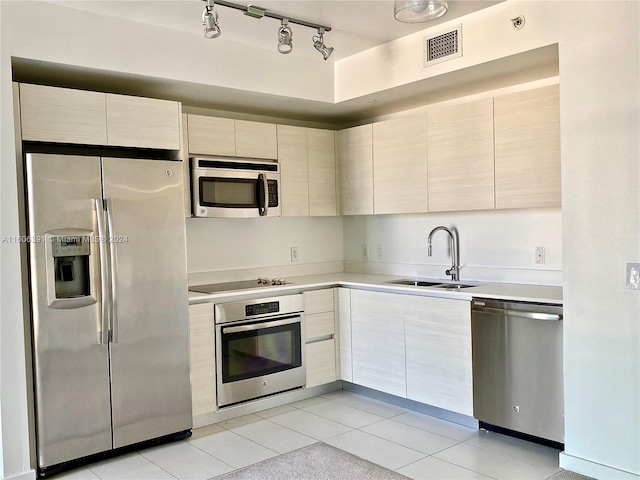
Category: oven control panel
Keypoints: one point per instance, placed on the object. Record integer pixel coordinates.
(261, 308)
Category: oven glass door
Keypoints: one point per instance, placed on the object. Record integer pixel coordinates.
(261, 348)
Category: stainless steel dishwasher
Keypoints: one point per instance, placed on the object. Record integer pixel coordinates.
(517, 367)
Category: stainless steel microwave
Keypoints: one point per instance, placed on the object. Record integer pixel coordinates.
(234, 187)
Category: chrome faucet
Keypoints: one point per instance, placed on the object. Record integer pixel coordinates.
(454, 271)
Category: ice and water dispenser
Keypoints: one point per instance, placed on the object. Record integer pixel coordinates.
(71, 268)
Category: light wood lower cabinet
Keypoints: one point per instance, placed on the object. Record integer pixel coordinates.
(343, 319)
(320, 337)
(527, 140)
(203, 375)
(378, 341)
(438, 353)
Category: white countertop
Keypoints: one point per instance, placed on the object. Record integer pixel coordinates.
(504, 291)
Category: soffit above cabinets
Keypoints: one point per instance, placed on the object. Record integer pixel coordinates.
(199, 98)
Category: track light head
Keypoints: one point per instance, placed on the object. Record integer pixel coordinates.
(285, 37)
(210, 21)
(318, 43)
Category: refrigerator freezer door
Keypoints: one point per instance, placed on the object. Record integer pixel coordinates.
(71, 367)
(151, 390)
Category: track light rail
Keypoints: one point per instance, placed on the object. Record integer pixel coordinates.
(258, 12)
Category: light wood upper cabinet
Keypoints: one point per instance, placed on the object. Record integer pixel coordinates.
(211, 136)
(355, 164)
(256, 140)
(51, 114)
(438, 352)
(378, 341)
(322, 172)
(294, 174)
(203, 373)
(400, 165)
(527, 138)
(143, 122)
(461, 157)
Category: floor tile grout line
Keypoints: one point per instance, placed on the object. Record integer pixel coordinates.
(460, 466)
(148, 459)
(277, 454)
(373, 399)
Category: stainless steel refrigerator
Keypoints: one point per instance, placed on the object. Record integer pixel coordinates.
(109, 303)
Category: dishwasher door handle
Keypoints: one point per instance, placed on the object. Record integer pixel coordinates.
(554, 317)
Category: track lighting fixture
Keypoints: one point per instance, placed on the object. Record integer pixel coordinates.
(285, 34)
(210, 20)
(318, 43)
(285, 37)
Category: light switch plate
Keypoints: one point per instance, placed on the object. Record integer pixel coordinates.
(633, 276)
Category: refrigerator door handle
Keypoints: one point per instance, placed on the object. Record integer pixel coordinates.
(103, 334)
(112, 259)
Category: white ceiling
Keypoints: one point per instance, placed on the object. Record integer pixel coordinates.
(357, 25)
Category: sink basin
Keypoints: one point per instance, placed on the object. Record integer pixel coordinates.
(413, 283)
(453, 286)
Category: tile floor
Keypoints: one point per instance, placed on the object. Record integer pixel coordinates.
(408, 442)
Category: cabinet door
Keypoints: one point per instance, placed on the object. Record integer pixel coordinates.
(460, 157)
(318, 301)
(50, 114)
(343, 317)
(400, 165)
(320, 362)
(203, 378)
(355, 162)
(438, 333)
(322, 172)
(256, 140)
(528, 148)
(143, 122)
(292, 157)
(211, 136)
(377, 341)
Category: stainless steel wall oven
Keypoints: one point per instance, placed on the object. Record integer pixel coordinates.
(259, 348)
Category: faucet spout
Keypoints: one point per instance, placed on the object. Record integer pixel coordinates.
(454, 248)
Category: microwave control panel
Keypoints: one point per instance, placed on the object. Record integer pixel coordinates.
(273, 193)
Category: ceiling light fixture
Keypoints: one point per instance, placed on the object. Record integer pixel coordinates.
(210, 20)
(318, 43)
(285, 37)
(417, 11)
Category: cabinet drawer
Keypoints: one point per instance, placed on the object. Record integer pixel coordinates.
(319, 325)
(321, 362)
(318, 301)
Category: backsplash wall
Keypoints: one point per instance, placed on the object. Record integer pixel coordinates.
(494, 245)
(240, 249)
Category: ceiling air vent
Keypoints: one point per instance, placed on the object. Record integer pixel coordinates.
(443, 46)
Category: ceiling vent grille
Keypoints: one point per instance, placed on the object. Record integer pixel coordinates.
(443, 46)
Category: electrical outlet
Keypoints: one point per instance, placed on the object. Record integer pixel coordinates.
(365, 251)
(633, 276)
(294, 254)
(378, 251)
(539, 255)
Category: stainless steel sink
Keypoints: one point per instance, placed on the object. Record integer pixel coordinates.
(428, 283)
(453, 286)
(413, 283)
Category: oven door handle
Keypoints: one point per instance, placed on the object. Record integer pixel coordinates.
(256, 326)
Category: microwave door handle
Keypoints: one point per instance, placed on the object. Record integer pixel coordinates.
(264, 208)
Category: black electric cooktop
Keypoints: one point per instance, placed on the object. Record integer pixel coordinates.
(233, 286)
